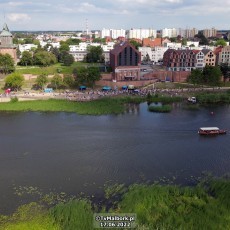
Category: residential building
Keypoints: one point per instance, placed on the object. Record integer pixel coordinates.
(141, 33)
(113, 33)
(125, 62)
(79, 51)
(151, 42)
(224, 55)
(6, 43)
(200, 62)
(155, 54)
(210, 32)
(179, 60)
(209, 57)
(169, 32)
(26, 47)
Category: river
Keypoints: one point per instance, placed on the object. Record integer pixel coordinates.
(66, 152)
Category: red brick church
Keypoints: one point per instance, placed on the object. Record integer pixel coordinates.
(6, 43)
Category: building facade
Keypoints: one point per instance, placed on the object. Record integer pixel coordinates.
(125, 62)
(224, 55)
(6, 43)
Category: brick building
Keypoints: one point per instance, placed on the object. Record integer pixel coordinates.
(125, 62)
(187, 60)
(6, 43)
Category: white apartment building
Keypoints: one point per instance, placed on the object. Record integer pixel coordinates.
(169, 32)
(155, 54)
(113, 33)
(172, 45)
(79, 51)
(141, 33)
(200, 64)
(104, 33)
(27, 47)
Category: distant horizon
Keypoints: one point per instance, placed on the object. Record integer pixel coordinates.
(26, 15)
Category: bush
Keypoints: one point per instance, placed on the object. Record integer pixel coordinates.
(160, 109)
(14, 99)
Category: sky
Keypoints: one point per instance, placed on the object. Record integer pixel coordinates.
(72, 15)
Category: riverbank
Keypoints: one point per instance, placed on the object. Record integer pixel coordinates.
(205, 206)
(105, 105)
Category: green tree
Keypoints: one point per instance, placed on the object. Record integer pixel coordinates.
(225, 70)
(202, 38)
(14, 81)
(212, 75)
(44, 58)
(87, 76)
(68, 59)
(6, 63)
(64, 47)
(196, 77)
(41, 81)
(73, 41)
(69, 81)
(135, 43)
(94, 54)
(220, 42)
(56, 81)
(26, 59)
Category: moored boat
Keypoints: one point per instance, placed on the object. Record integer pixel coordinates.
(211, 131)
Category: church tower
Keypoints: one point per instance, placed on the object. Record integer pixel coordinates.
(6, 43)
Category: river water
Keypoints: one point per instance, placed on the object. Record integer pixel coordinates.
(66, 152)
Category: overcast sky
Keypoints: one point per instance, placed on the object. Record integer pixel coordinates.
(114, 14)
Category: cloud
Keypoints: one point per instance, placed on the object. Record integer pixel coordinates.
(16, 17)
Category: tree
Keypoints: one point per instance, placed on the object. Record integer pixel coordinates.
(44, 58)
(212, 75)
(68, 81)
(202, 38)
(196, 77)
(64, 47)
(26, 59)
(6, 63)
(73, 41)
(41, 81)
(14, 81)
(220, 42)
(94, 54)
(135, 43)
(87, 76)
(68, 59)
(56, 81)
(225, 70)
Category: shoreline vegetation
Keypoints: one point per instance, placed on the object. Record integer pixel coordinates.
(204, 206)
(102, 106)
(113, 104)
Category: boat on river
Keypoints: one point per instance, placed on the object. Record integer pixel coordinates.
(211, 131)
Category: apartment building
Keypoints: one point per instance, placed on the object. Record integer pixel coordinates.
(79, 51)
(155, 54)
(209, 57)
(141, 33)
(113, 33)
(210, 32)
(224, 55)
(169, 32)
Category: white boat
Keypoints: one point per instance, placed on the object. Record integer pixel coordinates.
(211, 131)
(192, 99)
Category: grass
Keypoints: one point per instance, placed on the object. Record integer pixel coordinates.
(214, 98)
(205, 206)
(49, 70)
(97, 107)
